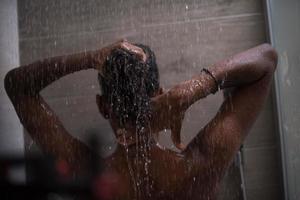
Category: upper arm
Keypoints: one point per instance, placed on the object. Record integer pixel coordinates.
(47, 131)
(220, 139)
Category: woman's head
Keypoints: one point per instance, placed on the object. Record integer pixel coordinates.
(127, 85)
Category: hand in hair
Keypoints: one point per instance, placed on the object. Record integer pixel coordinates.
(169, 114)
(101, 55)
(170, 107)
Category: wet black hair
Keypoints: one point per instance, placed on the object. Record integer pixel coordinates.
(128, 83)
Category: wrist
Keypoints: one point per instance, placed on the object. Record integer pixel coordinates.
(211, 79)
(98, 59)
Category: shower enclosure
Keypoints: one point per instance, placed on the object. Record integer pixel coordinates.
(186, 35)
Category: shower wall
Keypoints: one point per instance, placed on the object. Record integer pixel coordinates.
(185, 35)
(11, 132)
(284, 27)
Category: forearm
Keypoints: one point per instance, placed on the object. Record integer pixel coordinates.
(31, 79)
(190, 91)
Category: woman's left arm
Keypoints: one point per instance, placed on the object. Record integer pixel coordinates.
(23, 86)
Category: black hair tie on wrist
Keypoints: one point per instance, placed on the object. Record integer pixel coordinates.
(213, 77)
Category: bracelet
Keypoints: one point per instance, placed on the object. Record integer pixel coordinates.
(213, 77)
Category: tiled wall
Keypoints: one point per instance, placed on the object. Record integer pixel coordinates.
(11, 132)
(186, 35)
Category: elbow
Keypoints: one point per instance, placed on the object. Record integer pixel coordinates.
(8, 80)
(271, 57)
(10, 84)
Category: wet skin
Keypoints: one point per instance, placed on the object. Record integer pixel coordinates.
(197, 170)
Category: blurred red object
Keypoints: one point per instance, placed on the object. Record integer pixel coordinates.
(63, 168)
(107, 186)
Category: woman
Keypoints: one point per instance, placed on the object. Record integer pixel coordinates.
(138, 109)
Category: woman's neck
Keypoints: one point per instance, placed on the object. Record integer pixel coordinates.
(127, 138)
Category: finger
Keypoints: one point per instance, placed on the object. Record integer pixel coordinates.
(175, 133)
(181, 146)
(134, 49)
(143, 57)
(129, 46)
